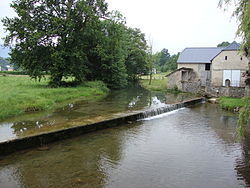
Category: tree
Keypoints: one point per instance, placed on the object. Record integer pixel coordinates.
(223, 44)
(171, 64)
(164, 57)
(49, 37)
(111, 52)
(136, 58)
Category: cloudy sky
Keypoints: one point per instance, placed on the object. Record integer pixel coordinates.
(170, 24)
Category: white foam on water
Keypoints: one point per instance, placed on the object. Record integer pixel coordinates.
(162, 115)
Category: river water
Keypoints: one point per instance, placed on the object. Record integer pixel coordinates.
(115, 104)
(191, 147)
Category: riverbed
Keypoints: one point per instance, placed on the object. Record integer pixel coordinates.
(190, 147)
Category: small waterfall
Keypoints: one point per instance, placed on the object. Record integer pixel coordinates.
(161, 110)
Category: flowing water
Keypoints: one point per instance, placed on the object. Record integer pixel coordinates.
(188, 148)
(117, 103)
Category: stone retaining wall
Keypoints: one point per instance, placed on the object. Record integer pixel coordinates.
(214, 91)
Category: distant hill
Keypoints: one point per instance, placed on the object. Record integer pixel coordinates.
(4, 51)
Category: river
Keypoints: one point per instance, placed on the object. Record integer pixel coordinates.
(117, 103)
(192, 147)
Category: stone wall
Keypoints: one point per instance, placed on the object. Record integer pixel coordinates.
(226, 91)
(214, 91)
(235, 61)
(191, 86)
(174, 80)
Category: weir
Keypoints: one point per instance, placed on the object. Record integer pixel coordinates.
(43, 139)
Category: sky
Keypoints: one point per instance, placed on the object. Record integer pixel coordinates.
(169, 24)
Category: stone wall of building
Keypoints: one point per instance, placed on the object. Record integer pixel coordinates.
(234, 61)
(213, 91)
(191, 86)
(174, 80)
(226, 91)
(198, 68)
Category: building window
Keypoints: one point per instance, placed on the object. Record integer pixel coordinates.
(207, 66)
(225, 57)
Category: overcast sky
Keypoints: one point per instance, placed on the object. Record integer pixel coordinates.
(170, 24)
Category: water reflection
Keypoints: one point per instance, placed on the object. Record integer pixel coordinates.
(193, 147)
(243, 162)
(122, 101)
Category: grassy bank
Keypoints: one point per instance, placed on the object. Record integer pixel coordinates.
(158, 83)
(20, 94)
(231, 104)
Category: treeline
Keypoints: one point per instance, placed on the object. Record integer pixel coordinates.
(79, 39)
(164, 61)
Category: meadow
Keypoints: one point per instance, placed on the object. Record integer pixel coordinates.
(19, 94)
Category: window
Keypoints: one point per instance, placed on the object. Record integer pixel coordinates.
(207, 66)
(225, 57)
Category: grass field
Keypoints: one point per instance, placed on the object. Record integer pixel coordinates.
(158, 83)
(20, 94)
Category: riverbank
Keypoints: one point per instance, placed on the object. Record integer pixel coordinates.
(158, 83)
(22, 95)
(231, 104)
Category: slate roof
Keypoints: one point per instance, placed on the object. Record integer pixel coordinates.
(233, 46)
(204, 54)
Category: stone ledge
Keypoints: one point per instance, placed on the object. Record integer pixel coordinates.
(43, 139)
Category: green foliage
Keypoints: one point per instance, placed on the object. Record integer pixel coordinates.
(21, 94)
(164, 56)
(165, 62)
(136, 60)
(223, 44)
(171, 64)
(244, 117)
(49, 36)
(75, 38)
(229, 103)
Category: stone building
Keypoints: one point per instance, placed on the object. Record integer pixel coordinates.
(214, 66)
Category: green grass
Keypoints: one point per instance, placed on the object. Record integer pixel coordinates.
(158, 83)
(229, 103)
(159, 76)
(20, 94)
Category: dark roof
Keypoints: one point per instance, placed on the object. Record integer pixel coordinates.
(203, 54)
(182, 68)
(198, 55)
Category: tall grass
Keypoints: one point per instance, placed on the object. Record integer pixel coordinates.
(21, 94)
(229, 103)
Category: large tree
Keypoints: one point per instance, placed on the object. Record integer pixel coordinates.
(51, 36)
(164, 57)
(136, 60)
